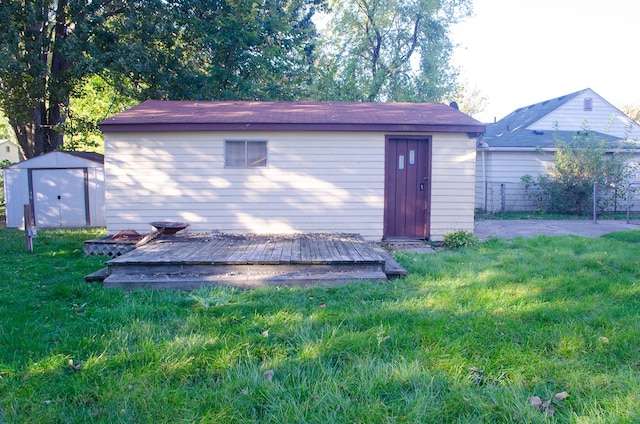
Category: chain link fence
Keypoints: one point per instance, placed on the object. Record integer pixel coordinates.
(495, 197)
(501, 197)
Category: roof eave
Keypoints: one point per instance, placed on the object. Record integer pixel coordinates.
(471, 130)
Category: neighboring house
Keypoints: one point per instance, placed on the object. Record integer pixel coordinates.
(9, 151)
(379, 169)
(524, 141)
(63, 189)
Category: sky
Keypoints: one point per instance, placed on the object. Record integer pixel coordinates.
(521, 52)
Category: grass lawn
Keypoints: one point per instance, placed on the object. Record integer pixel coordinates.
(469, 337)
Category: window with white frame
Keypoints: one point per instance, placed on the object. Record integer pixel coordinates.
(245, 153)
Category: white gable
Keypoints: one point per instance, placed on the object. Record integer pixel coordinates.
(603, 117)
(9, 151)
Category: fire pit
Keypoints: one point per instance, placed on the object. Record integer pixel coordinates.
(168, 227)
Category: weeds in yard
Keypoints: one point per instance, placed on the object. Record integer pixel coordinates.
(471, 336)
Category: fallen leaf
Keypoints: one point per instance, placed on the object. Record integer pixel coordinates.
(384, 339)
(603, 339)
(322, 305)
(265, 333)
(47, 402)
(549, 410)
(268, 375)
(535, 401)
(74, 366)
(561, 395)
(25, 377)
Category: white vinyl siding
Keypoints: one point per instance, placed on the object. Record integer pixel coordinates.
(314, 182)
(452, 184)
(507, 168)
(603, 118)
(9, 151)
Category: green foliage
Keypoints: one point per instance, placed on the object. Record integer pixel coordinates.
(579, 163)
(5, 127)
(50, 50)
(632, 111)
(3, 164)
(388, 50)
(458, 239)
(471, 336)
(91, 102)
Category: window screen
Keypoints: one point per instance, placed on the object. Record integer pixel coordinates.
(245, 153)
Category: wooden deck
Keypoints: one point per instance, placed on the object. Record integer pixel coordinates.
(188, 262)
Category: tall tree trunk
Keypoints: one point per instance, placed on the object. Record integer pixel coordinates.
(32, 136)
(58, 89)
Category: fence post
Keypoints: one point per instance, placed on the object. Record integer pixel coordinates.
(628, 202)
(28, 229)
(503, 196)
(486, 195)
(595, 201)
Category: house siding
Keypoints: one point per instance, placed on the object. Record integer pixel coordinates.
(499, 175)
(603, 118)
(9, 151)
(314, 182)
(452, 184)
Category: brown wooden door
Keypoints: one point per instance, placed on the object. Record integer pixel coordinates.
(407, 187)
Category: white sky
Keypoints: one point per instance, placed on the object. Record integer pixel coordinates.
(520, 52)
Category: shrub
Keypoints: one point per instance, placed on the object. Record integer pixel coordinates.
(458, 239)
(579, 163)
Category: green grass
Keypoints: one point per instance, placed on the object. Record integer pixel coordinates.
(538, 316)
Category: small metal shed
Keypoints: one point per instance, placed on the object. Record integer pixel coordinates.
(63, 189)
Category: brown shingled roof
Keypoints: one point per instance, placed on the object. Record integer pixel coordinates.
(159, 115)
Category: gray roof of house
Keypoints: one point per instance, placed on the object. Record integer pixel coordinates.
(511, 131)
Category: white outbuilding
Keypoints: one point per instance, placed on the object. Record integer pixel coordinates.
(63, 190)
(383, 170)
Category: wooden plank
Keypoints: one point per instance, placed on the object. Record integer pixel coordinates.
(258, 253)
(343, 250)
(270, 247)
(305, 250)
(281, 245)
(237, 253)
(364, 252)
(296, 250)
(336, 254)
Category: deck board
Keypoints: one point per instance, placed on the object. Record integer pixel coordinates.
(300, 249)
(186, 261)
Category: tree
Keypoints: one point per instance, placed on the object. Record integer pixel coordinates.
(5, 128)
(632, 111)
(579, 163)
(248, 50)
(89, 104)
(470, 100)
(46, 51)
(389, 50)
(196, 49)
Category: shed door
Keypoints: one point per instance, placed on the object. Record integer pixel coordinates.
(59, 197)
(407, 187)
